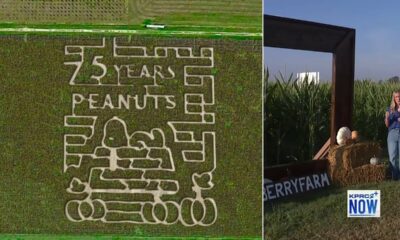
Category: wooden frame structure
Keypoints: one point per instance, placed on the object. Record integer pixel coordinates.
(303, 35)
(289, 33)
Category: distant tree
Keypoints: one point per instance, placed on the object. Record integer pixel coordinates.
(394, 79)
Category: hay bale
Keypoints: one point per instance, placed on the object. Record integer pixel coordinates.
(335, 166)
(350, 164)
(359, 154)
(365, 174)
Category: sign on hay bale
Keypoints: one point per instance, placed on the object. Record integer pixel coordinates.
(350, 164)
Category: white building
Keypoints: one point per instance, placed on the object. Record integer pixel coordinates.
(311, 76)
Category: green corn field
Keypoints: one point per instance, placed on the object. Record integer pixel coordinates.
(297, 116)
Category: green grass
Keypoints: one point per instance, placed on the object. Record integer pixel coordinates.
(225, 22)
(244, 16)
(211, 32)
(213, 17)
(323, 215)
(105, 237)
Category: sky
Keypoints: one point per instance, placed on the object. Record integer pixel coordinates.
(377, 25)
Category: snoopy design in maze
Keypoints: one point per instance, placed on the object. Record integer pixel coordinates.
(131, 173)
(148, 153)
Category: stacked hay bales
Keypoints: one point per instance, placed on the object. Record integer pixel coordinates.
(350, 164)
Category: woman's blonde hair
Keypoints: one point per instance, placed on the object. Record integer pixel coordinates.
(393, 102)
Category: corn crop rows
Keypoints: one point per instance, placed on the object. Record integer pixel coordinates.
(297, 116)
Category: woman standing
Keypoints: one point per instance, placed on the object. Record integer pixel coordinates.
(392, 121)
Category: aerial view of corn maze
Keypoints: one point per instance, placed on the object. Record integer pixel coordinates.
(110, 129)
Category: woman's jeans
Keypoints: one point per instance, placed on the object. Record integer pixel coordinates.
(393, 141)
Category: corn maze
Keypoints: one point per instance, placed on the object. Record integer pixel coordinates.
(136, 157)
(109, 128)
(145, 136)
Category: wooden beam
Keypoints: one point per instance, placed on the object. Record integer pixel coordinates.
(342, 84)
(324, 151)
(281, 172)
(303, 35)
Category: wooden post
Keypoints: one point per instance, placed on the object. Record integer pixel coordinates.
(342, 84)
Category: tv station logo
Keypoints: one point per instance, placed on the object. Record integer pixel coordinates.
(363, 203)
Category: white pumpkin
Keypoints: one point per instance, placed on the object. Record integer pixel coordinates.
(343, 135)
(374, 160)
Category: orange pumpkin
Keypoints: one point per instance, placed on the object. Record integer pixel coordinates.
(354, 135)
